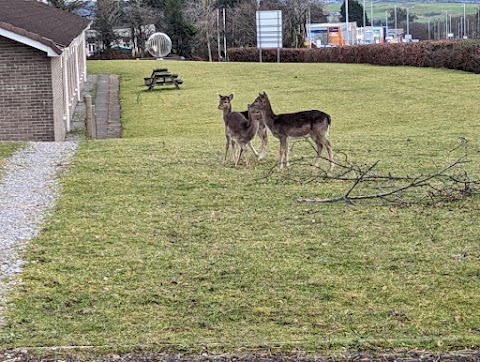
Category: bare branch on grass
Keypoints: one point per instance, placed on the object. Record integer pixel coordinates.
(450, 183)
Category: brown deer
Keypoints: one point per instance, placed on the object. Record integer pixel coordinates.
(238, 129)
(262, 129)
(314, 123)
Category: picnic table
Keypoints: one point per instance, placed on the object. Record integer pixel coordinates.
(162, 77)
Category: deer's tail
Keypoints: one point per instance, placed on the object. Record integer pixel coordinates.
(322, 119)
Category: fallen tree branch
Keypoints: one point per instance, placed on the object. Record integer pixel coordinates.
(440, 186)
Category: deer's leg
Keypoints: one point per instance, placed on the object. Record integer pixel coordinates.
(235, 151)
(319, 151)
(245, 152)
(262, 133)
(287, 163)
(227, 145)
(283, 145)
(253, 149)
(328, 146)
(243, 149)
(321, 142)
(237, 158)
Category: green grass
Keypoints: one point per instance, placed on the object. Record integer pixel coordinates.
(424, 10)
(7, 148)
(155, 244)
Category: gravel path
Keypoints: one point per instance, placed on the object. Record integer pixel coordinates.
(28, 191)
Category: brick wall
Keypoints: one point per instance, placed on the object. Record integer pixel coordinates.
(26, 96)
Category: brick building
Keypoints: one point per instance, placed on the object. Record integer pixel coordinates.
(42, 69)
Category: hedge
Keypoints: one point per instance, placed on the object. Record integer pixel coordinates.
(451, 54)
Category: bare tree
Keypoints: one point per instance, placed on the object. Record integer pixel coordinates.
(295, 16)
(140, 18)
(67, 5)
(173, 21)
(241, 26)
(108, 15)
(202, 14)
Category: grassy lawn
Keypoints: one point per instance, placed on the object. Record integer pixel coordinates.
(424, 10)
(6, 150)
(155, 244)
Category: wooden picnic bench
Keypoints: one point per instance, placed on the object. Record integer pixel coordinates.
(162, 77)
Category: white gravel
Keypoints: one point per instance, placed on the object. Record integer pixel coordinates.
(28, 190)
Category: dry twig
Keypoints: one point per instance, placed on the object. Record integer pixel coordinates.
(447, 184)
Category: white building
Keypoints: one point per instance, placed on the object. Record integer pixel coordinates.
(332, 34)
(371, 35)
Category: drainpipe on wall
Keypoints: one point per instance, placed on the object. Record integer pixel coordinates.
(66, 91)
(83, 49)
(77, 71)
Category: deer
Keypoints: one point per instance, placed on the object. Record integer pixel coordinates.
(239, 130)
(314, 124)
(262, 129)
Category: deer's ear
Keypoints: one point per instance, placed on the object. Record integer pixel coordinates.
(230, 96)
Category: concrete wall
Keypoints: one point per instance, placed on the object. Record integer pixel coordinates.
(58, 98)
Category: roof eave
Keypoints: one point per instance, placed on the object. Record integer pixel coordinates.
(30, 39)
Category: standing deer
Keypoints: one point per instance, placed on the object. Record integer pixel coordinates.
(238, 129)
(314, 123)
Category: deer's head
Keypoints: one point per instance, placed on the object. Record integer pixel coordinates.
(253, 112)
(261, 102)
(225, 103)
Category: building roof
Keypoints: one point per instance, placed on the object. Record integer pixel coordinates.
(40, 25)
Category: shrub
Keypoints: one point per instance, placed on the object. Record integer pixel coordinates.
(452, 54)
(110, 55)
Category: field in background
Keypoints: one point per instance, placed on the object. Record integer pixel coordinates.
(424, 10)
(155, 244)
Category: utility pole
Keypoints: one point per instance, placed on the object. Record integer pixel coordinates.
(364, 15)
(450, 25)
(386, 25)
(408, 26)
(309, 22)
(224, 34)
(346, 16)
(364, 23)
(371, 21)
(218, 36)
(371, 13)
(396, 22)
(446, 24)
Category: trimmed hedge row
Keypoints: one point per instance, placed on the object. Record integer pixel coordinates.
(451, 54)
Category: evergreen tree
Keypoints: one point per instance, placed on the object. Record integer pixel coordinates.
(355, 13)
(176, 26)
(401, 16)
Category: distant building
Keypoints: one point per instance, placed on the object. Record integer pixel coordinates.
(395, 35)
(371, 35)
(123, 40)
(332, 34)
